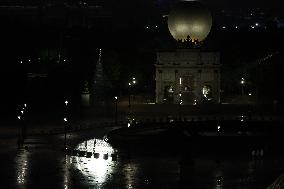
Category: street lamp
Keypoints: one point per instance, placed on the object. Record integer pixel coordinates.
(20, 131)
(116, 98)
(65, 123)
(131, 83)
(65, 130)
(179, 104)
(242, 85)
(22, 126)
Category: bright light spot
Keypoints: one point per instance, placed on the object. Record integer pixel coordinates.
(21, 62)
(133, 78)
(65, 119)
(256, 24)
(134, 82)
(128, 124)
(156, 26)
(116, 97)
(64, 60)
(207, 92)
(224, 27)
(29, 60)
(242, 120)
(249, 94)
(147, 27)
(96, 170)
(25, 105)
(236, 27)
(19, 117)
(180, 81)
(22, 112)
(66, 102)
(22, 168)
(252, 27)
(218, 128)
(129, 84)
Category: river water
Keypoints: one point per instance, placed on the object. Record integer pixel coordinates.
(110, 168)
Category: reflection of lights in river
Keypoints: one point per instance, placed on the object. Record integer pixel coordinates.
(130, 171)
(66, 172)
(98, 169)
(22, 167)
(218, 175)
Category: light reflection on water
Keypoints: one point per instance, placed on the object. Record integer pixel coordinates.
(95, 169)
(104, 170)
(218, 178)
(22, 166)
(66, 173)
(155, 172)
(130, 173)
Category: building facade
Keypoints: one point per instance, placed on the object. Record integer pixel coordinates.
(187, 77)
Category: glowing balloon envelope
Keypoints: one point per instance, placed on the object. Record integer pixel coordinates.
(190, 20)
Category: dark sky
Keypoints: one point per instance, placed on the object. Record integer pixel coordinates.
(275, 4)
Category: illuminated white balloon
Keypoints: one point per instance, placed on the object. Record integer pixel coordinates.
(190, 18)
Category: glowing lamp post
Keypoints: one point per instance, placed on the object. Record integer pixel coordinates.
(179, 104)
(242, 85)
(130, 84)
(116, 99)
(22, 125)
(65, 123)
(218, 129)
(65, 130)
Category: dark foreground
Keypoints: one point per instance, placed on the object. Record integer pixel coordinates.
(46, 166)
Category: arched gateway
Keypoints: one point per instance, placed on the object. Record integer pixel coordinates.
(188, 75)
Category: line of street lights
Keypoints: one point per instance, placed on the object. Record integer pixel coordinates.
(22, 126)
(39, 60)
(65, 119)
(179, 104)
(116, 99)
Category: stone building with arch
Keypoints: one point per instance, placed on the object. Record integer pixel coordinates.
(188, 77)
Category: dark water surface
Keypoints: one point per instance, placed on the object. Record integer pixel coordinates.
(114, 169)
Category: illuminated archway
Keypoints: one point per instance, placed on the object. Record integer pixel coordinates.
(207, 93)
(168, 94)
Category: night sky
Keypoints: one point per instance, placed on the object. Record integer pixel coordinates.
(123, 34)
